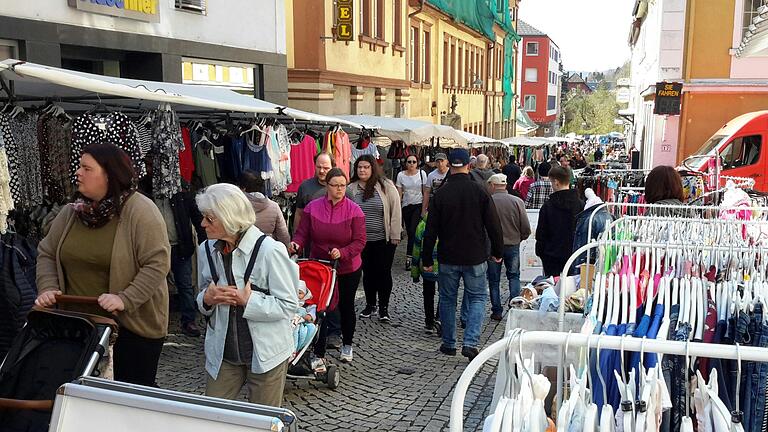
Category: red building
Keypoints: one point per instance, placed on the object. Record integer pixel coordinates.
(540, 78)
(577, 82)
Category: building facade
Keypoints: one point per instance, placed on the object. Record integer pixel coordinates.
(694, 43)
(540, 78)
(576, 82)
(183, 41)
(404, 59)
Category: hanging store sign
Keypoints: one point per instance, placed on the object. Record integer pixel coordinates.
(344, 26)
(668, 98)
(140, 10)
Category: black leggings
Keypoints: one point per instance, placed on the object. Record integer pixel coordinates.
(429, 302)
(411, 218)
(136, 358)
(377, 272)
(347, 285)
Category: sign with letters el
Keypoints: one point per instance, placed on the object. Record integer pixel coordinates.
(344, 26)
(141, 10)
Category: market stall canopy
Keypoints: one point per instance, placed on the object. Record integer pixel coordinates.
(410, 131)
(525, 141)
(34, 81)
(479, 140)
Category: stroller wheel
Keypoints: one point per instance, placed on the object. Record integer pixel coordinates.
(333, 378)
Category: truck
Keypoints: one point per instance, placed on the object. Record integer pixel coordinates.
(742, 146)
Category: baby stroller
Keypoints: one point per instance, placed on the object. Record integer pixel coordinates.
(320, 278)
(54, 347)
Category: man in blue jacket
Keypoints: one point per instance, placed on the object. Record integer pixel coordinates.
(462, 209)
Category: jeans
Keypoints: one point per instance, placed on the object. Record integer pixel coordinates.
(377, 272)
(411, 218)
(511, 261)
(347, 286)
(476, 294)
(759, 375)
(181, 267)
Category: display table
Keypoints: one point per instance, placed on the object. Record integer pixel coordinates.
(546, 355)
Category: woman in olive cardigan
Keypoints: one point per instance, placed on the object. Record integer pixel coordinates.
(112, 243)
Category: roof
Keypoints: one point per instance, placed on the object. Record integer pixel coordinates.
(576, 78)
(525, 29)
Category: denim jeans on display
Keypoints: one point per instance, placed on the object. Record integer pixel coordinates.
(511, 260)
(181, 267)
(667, 366)
(475, 293)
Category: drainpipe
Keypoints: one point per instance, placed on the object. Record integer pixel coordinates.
(418, 11)
(485, 89)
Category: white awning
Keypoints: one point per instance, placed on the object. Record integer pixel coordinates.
(477, 140)
(32, 80)
(410, 131)
(525, 141)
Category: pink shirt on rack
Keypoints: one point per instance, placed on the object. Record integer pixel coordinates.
(343, 151)
(302, 162)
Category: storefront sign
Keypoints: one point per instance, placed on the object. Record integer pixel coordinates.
(344, 28)
(141, 10)
(668, 98)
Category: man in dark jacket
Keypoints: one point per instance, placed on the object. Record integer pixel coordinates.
(461, 214)
(557, 223)
(513, 172)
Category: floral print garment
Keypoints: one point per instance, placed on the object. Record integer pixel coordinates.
(167, 142)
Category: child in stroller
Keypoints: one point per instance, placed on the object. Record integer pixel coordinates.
(304, 327)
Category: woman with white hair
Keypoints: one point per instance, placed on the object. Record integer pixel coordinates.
(248, 292)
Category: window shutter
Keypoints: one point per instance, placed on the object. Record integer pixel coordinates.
(191, 5)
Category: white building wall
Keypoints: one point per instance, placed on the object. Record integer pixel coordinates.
(254, 25)
(657, 56)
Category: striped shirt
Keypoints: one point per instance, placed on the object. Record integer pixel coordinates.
(373, 208)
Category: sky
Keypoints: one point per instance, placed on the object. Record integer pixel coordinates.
(592, 34)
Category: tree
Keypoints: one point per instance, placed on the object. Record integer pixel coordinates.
(592, 113)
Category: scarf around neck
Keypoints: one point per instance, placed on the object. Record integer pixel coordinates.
(97, 214)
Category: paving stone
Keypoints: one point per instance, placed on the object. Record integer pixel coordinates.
(372, 395)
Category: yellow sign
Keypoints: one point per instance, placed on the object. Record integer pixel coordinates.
(142, 10)
(344, 25)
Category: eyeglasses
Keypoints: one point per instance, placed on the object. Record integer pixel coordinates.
(337, 186)
(411, 162)
(210, 219)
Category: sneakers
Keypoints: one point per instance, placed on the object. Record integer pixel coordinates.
(384, 315)
(190, 329)
(448, 351)
(368, 311)
(318, 365)
(469, 352)
(407, 263)
(429, 329)
(333, 341)
(346, 354)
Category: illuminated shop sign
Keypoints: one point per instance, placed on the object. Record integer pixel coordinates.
(141, 10)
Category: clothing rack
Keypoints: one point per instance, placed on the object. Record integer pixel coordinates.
(669, 207)
(577, 340)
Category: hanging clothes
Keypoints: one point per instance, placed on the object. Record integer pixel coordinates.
(12, 154)
(342, 151)
(114, 128)
(167, 143)
(54, 135)
(186, 160)
(24, 130)
(302, 162)
(6, 200)
(206, 168)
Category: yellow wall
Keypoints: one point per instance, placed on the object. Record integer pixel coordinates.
(356, 59)
(290, 49)
(703, 114)
(709, 37)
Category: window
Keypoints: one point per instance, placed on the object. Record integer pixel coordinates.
(531, 75)
(742, 151)
(500, 70)
(532, 48)
(472, 66)
(426, 57)
(551, 102)
(530, 103)
(453, 63)
(397, 10)
(198, 6)
(365, 17)
(467, 69)
(378, 18)
(482, 63)
(750, 12)
(8, 49)
(446, 62)
(415, 54)
(492, 59)
(460, 82)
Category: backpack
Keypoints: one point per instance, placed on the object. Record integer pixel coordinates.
(248, 268)
(18, 289)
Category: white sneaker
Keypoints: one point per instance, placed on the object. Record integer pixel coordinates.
(346, 353)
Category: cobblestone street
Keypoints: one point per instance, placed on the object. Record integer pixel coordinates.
(398, 381)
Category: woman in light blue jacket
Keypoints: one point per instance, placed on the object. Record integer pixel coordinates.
(248, 294)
